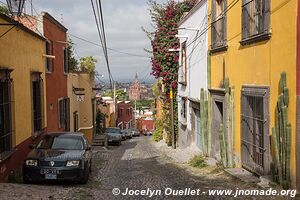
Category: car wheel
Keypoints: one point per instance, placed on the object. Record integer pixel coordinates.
(86, 175)
(26, 180)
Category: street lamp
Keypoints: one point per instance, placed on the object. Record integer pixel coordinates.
(15, 7)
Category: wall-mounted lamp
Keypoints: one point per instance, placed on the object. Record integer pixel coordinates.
(189, 28)
(49, 56)
(174, 50)
(181, 36)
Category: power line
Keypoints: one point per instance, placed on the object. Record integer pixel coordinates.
(111, 49)
(101, 32)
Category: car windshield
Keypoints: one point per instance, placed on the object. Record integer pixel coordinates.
(113, 130)
(61, 142)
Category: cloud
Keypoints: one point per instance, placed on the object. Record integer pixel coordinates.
(123, 22)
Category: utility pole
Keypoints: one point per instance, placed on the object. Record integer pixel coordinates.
(135, 114)
(172, 119)
(115, 103)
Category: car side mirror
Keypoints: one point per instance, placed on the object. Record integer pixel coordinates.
(32, 146)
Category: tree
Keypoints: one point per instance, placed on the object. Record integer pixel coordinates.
(4, 10)
(100, 120)
(72, 61)
(120, 95)
(88, 64)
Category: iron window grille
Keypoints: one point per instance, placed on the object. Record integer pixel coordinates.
(183, 110)
(218, 24)
(255, 129)
(255, 18)
(183, 64)
(49, 61)
(66, 67)
(6, 113)
(64, 114)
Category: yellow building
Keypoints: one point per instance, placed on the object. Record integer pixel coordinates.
(82, 103)
(108, 109)
(22, 96)
(252, 43)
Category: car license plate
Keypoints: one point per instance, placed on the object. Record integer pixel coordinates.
(50, 176)
(110, 140)
(50, 171)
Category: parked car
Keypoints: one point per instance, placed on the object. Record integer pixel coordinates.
(135, 132)
(148, 133)
(128, 133)
(59, 156)
(114, 135)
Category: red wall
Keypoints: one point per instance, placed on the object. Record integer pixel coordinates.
(124, 117)
(56, 82)
(144, 124)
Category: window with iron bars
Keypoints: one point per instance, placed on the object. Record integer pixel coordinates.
(218, 24)
(6, 101)
(183, 111)
(182, 79)
(37, 102)
(255, 18)
(64, 113)
(66, 64)
(49, 61)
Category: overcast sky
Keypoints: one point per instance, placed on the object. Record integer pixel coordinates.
(123, 22)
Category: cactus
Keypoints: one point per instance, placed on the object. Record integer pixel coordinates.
(202, 120)
(281, 135)
(222, 145)
(208, 128)
(288, 151)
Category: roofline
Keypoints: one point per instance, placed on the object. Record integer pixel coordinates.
(57, 23)
(21, 26)
(191, 12)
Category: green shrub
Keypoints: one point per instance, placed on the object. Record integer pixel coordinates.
(198, 161)
(158, 133)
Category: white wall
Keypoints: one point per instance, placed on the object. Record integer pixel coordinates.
(197, 47)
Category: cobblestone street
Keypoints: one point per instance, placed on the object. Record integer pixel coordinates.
(136, 164)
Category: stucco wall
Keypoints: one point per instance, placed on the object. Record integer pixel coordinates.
(23, 53)
(260, 63)
(84, 108)
(56, 85)
(196, 60)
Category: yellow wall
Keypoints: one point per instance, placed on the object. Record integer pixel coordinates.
(260, 63)
(23, 53)
(84, 108)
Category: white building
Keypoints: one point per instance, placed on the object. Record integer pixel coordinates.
(192, 73)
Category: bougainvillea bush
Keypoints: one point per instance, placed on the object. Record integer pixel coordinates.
(165, 18)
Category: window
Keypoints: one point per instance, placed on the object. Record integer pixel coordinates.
(66, 68)
(218, 24)
(64, 114)
(37, 100)
(183, 109)
(183, 63)
(255, 129)
(255, 18)
(6, 100)
(49, 61)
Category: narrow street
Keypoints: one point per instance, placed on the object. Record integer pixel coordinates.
(136, 164)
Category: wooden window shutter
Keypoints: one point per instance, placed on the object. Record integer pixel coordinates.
(213, 23)
(266, 16)
(245, 19)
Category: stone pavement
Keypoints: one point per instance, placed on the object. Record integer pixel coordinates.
(136, 164)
